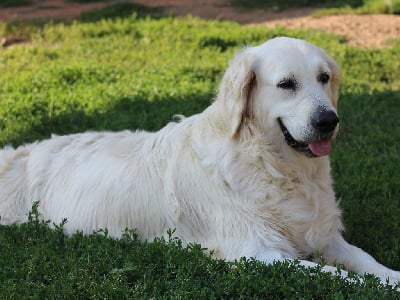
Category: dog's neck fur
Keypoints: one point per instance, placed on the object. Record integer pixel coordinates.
(257, 154)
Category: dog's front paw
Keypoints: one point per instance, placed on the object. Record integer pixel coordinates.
(390, 277)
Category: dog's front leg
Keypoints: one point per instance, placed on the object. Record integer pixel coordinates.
(357, 260)
(272, 256)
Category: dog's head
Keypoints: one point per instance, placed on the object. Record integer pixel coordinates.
(288, 88)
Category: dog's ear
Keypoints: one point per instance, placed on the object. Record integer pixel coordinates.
(335, 77)
(237, 88)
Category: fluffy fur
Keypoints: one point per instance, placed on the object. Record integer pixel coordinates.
(225, 178)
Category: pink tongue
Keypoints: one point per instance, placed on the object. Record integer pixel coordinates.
(320, 148)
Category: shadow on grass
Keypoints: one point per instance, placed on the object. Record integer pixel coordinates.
(365, 159)
(127, 113)
(365, 166)
(15, 3)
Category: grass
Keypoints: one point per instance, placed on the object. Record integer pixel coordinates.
(368, 7)
(15, 3)
(137, 72)
(82, 267)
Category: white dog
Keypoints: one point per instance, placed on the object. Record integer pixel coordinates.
(249, 176)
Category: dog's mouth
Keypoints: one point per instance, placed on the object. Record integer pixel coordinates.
(313, 149)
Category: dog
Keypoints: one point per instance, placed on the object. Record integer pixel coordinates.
(247, 177)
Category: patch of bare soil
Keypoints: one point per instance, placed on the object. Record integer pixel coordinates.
(358, 30)
(373, 31)
(43, 9)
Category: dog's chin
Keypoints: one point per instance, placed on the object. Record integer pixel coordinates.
(312, 149)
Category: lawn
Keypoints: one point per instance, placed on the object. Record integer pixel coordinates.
(136, 72)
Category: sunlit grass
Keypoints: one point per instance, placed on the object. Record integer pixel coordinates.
(134, 72)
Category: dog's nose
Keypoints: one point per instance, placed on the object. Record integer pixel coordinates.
(325, 121)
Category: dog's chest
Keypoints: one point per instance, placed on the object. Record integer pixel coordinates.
(309, 213)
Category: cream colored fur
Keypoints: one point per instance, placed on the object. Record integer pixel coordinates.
(224, 178)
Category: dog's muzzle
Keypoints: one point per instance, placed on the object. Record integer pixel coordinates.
(324, 123)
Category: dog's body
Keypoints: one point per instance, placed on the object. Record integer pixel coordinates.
(249, 176)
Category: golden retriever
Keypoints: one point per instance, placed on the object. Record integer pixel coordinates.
(247, 177)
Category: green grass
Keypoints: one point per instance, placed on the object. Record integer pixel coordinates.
(41, 263)
(368, 7)
(15, 3)
(134, 72)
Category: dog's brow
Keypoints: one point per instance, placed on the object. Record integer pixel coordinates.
(288, 82)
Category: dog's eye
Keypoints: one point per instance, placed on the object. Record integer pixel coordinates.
(323, 78)
(287, 84)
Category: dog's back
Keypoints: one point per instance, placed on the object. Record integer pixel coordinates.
(95, 180)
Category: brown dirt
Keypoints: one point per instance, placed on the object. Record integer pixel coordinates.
(372, 31)
(358, 30)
